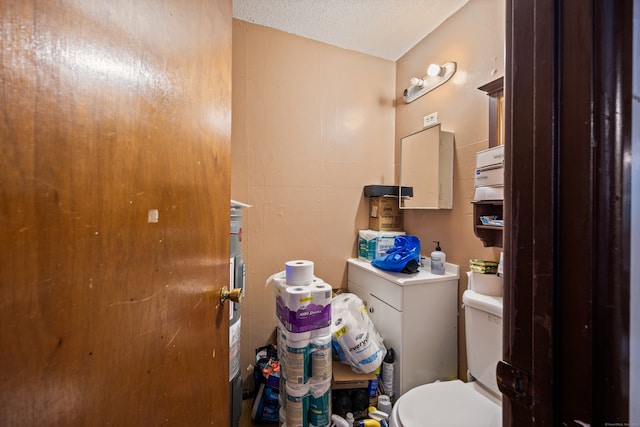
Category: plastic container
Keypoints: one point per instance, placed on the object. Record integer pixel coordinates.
(350, 419)
(438, 259)
(384, 404)
(387, 372)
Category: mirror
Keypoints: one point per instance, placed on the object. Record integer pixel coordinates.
(426, 165)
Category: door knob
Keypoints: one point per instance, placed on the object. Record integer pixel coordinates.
(235, 295)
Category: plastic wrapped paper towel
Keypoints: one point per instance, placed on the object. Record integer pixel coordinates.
(354, 336)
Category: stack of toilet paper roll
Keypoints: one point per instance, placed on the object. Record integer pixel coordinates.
(303, 315)
(303, 301)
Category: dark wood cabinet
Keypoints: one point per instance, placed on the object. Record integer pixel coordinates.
(490, 235)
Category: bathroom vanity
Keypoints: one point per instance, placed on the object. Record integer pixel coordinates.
(417, 315)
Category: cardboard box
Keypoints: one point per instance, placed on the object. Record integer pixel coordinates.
(385, 214)
(345, 378)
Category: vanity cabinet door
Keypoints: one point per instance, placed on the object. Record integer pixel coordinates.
(388, 323)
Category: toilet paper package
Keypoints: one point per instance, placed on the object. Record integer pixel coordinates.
(303, 308)
(354, 337)
(303, 301)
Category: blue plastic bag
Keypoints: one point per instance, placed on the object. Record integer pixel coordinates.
(403, 257)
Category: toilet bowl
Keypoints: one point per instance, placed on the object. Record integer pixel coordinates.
(455, 403)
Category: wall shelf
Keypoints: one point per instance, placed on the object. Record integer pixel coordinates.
(490, 235)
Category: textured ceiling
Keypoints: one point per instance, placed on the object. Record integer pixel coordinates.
(383, 28)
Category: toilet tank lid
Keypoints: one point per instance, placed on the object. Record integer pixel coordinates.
(487, 303)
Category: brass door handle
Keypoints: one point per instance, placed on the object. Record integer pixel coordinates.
(235, 295)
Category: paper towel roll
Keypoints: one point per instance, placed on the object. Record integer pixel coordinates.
(297, 406)
(321, 367)
(320, 404)
(299, 272)
(296, 356)
(321, 332)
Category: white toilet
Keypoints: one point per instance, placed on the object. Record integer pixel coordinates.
(456, 403)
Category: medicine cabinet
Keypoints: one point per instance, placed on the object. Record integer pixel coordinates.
(426, 165)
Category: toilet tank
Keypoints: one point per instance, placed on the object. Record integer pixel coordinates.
(483, 329)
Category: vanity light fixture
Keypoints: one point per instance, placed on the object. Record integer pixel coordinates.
(436, 76)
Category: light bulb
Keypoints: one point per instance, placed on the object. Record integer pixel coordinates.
(435, 70)
(417, 82)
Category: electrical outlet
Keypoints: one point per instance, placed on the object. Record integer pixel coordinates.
(430, 120)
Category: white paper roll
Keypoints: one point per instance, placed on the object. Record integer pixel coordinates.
(287, 335)
(321, 332)
(297, 406)
(320, 404)
(295, 361)
(321, 367)
(299, 272)
(297, 297)
(279, 285)
(321, 293)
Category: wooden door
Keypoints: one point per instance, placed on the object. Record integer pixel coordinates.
(567, 246)
(114, 212)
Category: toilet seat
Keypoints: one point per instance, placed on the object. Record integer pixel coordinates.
(445, 404)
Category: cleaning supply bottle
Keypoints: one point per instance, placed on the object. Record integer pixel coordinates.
(338, 421)
(384, 404)
(350, 419)
(438, 259)
(387, 372)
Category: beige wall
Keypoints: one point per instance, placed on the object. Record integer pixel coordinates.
(474, 39)
(312, 124)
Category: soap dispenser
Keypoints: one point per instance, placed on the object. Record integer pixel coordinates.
(438, 259)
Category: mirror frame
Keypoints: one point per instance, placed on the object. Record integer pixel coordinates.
(441, 168)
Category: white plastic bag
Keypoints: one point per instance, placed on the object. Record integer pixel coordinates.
(354, 337)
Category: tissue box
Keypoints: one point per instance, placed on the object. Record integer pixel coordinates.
(373, 244)
(491, 158)
(385, 214)
(489, 177)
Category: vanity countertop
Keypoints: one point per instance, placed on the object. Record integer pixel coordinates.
(452, 271)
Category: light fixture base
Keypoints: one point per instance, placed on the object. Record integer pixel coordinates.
(429, 83)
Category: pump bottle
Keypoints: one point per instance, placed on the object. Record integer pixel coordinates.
(438, 259)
